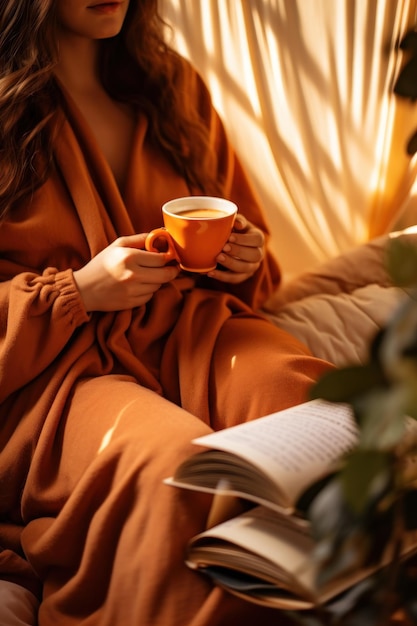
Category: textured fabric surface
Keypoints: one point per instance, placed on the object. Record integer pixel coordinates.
(338, 308)
(90, 417)
(340, 327)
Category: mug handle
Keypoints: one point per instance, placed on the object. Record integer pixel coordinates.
(161, 233)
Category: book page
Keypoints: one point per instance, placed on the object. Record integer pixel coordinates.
(277, 554)
(276, 549)
(293, 447)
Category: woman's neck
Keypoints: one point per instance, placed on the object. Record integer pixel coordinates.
(77, 65)
(111, 122)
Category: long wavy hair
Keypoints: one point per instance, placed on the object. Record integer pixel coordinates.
(137, 66)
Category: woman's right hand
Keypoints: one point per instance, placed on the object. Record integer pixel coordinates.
(123, 276)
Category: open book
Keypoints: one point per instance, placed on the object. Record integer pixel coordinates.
(272, 460)
(265, 554)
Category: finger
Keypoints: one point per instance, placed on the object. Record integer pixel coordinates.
(252, 238)
(131, 241)
(143, 258)
(158, 276)
(240, 223)
(238, 266)
(244, 253)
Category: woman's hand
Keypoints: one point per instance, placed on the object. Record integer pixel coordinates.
(123, 275)
(243, 253)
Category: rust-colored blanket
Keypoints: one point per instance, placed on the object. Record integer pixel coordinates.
(96, 409)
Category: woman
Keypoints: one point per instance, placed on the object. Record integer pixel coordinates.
(111, 360)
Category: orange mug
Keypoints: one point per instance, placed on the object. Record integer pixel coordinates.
(195, 231)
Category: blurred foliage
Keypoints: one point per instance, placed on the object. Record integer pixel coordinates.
(365, 507)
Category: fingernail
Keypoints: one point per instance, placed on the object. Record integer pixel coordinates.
(227, 248)
(221, 257)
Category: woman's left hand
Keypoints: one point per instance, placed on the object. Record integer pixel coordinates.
(242, 254)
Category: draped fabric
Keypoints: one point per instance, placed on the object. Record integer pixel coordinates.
(305, 90)
(97, 408)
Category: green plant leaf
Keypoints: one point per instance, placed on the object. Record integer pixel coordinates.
(401, 261)
(380, 415)
(344, 384)
(366, 473)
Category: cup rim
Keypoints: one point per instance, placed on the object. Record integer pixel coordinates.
(205, 202)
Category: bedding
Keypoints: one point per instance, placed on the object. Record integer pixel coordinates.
(337, 308)
(336, 327)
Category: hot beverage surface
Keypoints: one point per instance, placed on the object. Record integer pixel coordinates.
(202, 213)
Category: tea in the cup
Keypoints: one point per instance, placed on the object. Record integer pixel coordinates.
(204, 213)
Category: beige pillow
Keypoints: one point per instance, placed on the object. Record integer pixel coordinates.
(339, 327)
(338, 308)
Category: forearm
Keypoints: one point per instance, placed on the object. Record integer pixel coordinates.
(38, 315)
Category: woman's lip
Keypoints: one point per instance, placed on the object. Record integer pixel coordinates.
(105, 6)
(101, 4)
